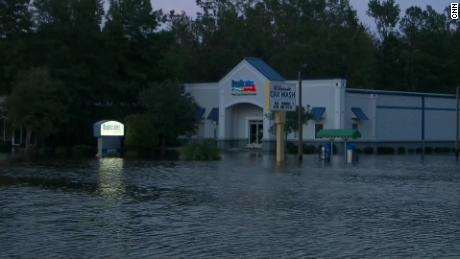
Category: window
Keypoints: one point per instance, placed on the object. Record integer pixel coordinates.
(318, 127)
(354, 126)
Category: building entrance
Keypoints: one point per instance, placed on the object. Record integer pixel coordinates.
(256, 129)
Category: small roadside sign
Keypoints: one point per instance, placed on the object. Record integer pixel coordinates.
(283, 97)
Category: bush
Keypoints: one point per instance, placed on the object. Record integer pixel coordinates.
(309, 149)
(202, 151)
(5, 147)
(83, 151)
(401, 150)
(368, 150)
(428, 150)
(385, 150)
(61, 151)
(442, 150)
(418, 150)
(45, 151)
(291, 148)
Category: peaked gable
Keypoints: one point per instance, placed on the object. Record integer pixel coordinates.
(266, 70)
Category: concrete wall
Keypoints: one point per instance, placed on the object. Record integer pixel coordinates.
(397, 116)
(328, 93)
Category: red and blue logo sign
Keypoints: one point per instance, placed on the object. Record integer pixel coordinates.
(243, 87)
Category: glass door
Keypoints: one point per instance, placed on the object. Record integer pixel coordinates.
(256, 129)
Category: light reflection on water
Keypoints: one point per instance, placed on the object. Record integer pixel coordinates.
(242, 206)
(111, 177)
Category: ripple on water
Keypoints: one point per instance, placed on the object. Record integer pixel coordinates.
(241, 206)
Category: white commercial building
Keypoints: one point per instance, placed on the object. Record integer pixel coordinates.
(234, 111)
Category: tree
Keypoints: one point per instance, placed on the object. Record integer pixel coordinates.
(15, 27)
(140, 132)
(292, 119)
(37, 103)
(170, 110)
(386, 15)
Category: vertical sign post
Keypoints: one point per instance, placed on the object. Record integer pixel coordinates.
(281, 98)
(299, 122)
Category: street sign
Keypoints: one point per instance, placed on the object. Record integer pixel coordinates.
(283, 97)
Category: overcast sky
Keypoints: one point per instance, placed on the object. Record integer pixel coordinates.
(360, 5)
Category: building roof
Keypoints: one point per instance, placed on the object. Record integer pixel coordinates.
(399, 93)
(214, 115)
(266, 70)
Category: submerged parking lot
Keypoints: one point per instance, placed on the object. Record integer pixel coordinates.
(241, 206)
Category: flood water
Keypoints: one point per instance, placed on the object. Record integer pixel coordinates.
(242, 206)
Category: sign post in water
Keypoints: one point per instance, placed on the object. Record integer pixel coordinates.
(282, 97)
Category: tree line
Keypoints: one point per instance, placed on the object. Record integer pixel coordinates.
(67, 63)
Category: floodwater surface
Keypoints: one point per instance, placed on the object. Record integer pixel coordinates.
(242, 206)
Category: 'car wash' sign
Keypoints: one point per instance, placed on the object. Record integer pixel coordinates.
(283, 97)
(243, 87)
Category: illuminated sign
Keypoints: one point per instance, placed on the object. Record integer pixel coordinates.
(112, 128)
(283, 97)
(109, 128)
(243, 87)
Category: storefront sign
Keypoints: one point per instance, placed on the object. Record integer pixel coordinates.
(283, 97)
(109, 128)
(243, 87)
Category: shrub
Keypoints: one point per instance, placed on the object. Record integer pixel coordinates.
(418, 150)
(401, 150)
(45, 151)
(83, 151)
(5, 147)
(428, 150)
(309, 149)
(61, 151)
(411, 151)
(442, 150)
(202, 151)
(368, 150)
(385, 150)
(291, 148)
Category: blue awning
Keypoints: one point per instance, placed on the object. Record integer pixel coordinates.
(317, 113)
(214, 115)
(199, 113)
(360, 116)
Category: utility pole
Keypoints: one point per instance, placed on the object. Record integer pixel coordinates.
(456, 123)
(300, 126)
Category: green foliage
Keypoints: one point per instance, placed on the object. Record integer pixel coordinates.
(428, 150)
(205, 150)
(292, 119)
(401, 150)
(37, 103)
(385, 150)
(368, 150)
(105, 60)
(61, 151)
(140, 132)
(441, 150)
(386, 15)
(83, 151)
(169, 109)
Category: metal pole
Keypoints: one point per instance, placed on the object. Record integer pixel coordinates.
(456, 123)
(423, 127)
(300, 126)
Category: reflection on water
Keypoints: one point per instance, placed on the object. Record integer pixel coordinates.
(240, 207)
(111, 177)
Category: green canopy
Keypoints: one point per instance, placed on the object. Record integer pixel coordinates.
(339, 133)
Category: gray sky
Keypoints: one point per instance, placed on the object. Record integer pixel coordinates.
(360, 5)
